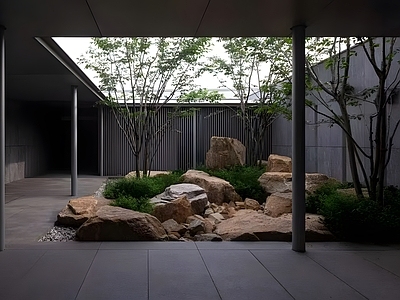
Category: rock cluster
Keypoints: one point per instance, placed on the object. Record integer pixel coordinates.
(277, 182)
(203, 208)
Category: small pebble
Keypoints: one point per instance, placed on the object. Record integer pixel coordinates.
(59, 234)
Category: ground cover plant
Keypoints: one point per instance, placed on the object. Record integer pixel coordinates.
(354, 219)
(135, 193)
(244, 179)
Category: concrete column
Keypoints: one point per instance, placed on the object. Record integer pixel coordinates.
(101, 140)
(2, 138)
(74, 141)
(298, 139)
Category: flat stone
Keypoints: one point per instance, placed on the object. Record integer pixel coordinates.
(248, 224)
(207, 237)
(119, 224)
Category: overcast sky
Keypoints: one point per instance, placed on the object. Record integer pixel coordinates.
(75, 47)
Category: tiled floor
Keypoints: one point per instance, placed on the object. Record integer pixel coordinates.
(183, 270)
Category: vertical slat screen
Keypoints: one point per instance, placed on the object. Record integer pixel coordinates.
(177, 145)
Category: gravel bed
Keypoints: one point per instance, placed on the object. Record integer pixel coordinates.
(59, 234)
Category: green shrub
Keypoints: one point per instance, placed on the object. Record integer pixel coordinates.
(313, 201)
(138, 204)
(244, 179)
(363, 220)
(145, 187)
(135, 193)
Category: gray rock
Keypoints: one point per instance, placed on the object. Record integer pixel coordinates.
(195, 194)
(207, 237)
(196, 226)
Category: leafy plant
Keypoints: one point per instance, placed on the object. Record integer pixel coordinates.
(141, 204)
(354, 219)
(135, 193)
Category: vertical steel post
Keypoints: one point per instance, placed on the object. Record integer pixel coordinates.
(74, 140)
(194, 140)
(2, 138)
(298, 139)
(101, 141)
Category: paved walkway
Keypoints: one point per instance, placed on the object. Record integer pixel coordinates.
(176, 270)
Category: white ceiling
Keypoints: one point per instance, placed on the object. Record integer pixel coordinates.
(35, 74)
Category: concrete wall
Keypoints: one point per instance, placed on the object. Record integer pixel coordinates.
(325, 150)
(25, 145)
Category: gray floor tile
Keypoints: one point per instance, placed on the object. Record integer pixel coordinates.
(179, 274)
(148, 245)
(343, 246)
(58, 274)
(14, 265)
(117, 274)
(238, 275)
(303, 278)
(389, 260)
(242, 245)
(369, 279)
(70, 245)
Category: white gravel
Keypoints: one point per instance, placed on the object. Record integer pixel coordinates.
(59, 234)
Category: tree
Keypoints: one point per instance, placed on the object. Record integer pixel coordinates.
(337, 95)
(258, 72)
(140, 76)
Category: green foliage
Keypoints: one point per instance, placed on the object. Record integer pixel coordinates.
(352, 219)
(141, 204)
(134, 193)
(244, 179)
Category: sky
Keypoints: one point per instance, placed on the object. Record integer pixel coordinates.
(76, 47)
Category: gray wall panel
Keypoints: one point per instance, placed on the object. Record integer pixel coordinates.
(182, 147)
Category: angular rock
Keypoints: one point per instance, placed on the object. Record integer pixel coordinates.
(276, 182)
(209, 226)
(196, 226)
(249, 223)
(207, 237)
(196, 195)
(225, 152)
(251, 204)
(278, 204)
(178, 209)
(278, 163)
(172, 226)
(216, 217)
(77, 211)
(217, 189)
(120, 224)
(208, 212)
(315, 180)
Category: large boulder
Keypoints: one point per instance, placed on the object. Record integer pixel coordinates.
(177, 209)
(280, 182)
(196, 195)
(278, 204)
(79, 210)
(276, 182)
(252, 225)
(278, 163)
(120, 224)
(225, 152)
(217, 189)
